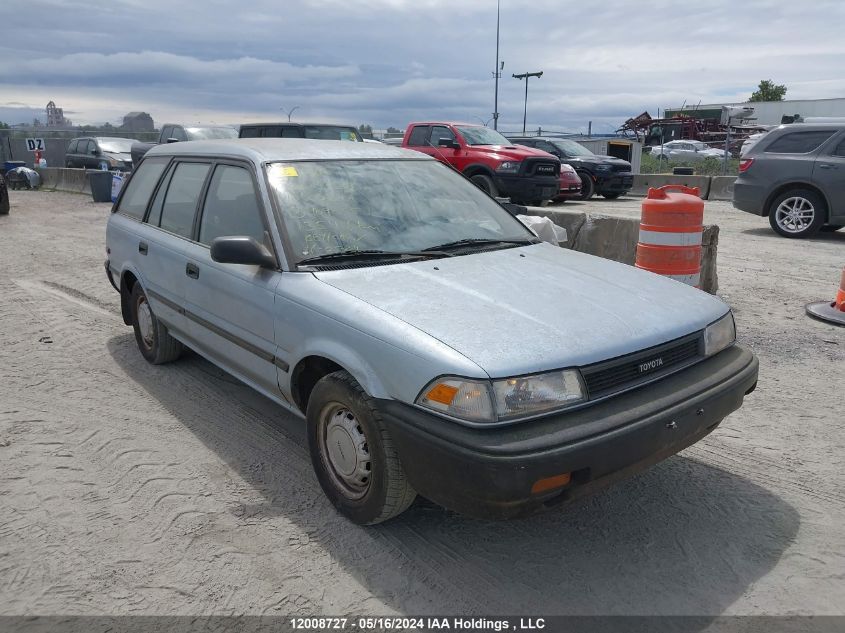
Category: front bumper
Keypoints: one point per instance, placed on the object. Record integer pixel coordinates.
(489, 473)
(614, 183)
(527, 188)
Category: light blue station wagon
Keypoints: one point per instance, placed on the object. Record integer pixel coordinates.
(431, 343)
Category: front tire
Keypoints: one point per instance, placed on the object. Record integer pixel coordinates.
(153, 339)
(797, 213)
(486, 184)
(611, 196)
(5, 204)
(588, 187)
(353, 454)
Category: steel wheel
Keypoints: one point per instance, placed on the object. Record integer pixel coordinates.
(145, 321)
(346, 450)
(795, 214)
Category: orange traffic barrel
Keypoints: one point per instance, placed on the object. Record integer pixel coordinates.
(671, 227)
(832, 312)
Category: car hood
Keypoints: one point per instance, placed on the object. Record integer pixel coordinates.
(598, 160)
(533, 308)
(125, 157)
(515, 152)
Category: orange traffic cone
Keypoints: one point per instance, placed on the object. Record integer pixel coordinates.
(830, 312)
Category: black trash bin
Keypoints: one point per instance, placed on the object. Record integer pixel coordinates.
(100, 185)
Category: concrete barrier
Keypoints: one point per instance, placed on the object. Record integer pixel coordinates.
(63, 179)
(616, 238)
(642, 183)
(722, 188)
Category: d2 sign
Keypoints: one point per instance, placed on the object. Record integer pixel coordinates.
(35, 144)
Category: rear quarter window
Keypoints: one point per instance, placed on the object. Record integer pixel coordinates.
(141, 186)
(799, 142)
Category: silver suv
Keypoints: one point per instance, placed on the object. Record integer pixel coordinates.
(430, 343)
(795, 174)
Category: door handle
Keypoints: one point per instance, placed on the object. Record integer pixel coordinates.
(827, 166)
(143, 248)
(192, 270)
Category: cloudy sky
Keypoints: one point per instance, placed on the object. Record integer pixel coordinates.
(387, 62)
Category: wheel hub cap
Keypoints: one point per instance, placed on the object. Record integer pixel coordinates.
(347, 450)
(145, 322)
(795, 214)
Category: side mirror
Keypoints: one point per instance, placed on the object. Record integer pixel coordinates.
(446, 142)
(172, 140)
(240, 249)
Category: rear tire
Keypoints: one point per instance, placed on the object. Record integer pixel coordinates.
(588, 187)
(153, 339)
(611, 196)
(797, 213)
(486, 184)
(353, 454)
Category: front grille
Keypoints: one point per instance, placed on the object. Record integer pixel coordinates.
(617, 167)
(536, 166)
(625, 372)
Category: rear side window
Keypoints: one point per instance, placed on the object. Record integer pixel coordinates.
(180, 203)
(418, 136)
(231, 206)
(140, 187)
(250, 132)
(799, 142)
(840, 148)
(71, 149)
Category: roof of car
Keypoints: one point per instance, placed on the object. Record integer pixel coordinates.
(295, 124)
(285, 149)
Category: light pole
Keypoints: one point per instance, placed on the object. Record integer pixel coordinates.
(497, 73)
(525, 76)
(289, 113)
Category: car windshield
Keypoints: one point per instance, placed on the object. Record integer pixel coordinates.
(571, 148)
(477, 135)
(339, 206)
(332, 133)
(211, 133)
(115, 145)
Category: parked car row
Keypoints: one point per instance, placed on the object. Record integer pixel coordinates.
(528, 170)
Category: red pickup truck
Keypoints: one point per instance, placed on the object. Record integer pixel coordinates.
(488, 159)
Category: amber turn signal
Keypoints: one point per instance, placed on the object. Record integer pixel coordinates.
(550, 483)
(444, 394)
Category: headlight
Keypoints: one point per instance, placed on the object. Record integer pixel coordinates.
(509, 166)
(503, 400)
(719, 335)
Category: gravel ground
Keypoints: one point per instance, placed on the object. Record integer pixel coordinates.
(132, 489)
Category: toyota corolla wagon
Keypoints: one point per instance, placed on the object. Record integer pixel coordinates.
(430, 342)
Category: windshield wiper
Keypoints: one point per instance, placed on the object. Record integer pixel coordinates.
(371, 254)
(474, 241)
